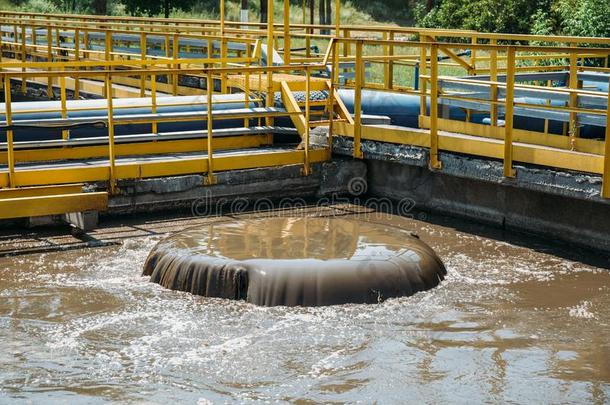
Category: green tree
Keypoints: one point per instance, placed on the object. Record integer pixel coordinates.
(151, 8)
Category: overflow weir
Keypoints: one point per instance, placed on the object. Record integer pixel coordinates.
(109, 115)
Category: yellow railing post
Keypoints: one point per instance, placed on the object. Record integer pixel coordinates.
(270, 100)
(247, 96)
(306, 167)
(287, 44)
(143, 52)
(509, 109)
(153, 102)
(573, 84)
(107, 50)
(337, 18)
(77, 58)
(86, 44)
(493, 76)
(334, 78)
(50, 94)
(23, 57)
(473, 56)
(435, 163)
(111, 156)
(9, 133)
(358, 101)
(65, 134)
(423, 67)
(606, 178)
(211, 179)
(388, 51)
(175, 49)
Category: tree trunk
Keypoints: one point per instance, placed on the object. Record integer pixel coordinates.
(166, 8)
(100, 7)
(429, 5)
(322, 14)
(263, 11)
(243, 15)
(312, 12)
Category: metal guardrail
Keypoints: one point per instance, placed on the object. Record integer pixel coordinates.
(493, 74)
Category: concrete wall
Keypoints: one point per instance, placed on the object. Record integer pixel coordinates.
(582, 222)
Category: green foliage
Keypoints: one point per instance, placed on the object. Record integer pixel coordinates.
(543, 17)
(511, 16)
(589, 18)
(151, 8)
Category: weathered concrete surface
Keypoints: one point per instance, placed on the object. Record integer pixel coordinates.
(146, 195)
(582, 221)
(551, 181)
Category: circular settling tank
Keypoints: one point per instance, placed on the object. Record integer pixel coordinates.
(296, 261)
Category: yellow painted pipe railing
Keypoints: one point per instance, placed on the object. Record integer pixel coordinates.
(361, 58)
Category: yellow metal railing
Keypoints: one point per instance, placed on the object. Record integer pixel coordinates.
(106, 73)
(69, 52)
(505, 142)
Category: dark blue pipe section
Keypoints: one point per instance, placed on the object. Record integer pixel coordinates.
(402, 109)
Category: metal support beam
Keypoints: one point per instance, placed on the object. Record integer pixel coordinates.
(358, 100)
(211, 179)
(270, 100)
(52, 205)
(9, 133)
(435, 163)
(606, 178)
(287, 42)
(509, 109)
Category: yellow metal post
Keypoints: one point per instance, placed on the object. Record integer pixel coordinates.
(111, 156)
(434, 160)
(423, 68)
(222, 18)
(358, 101)
(77, 59)
(64, 110)
(9, 132)
(223, 48)
(473, 56)
(573, 84)
(270, 100)
(493, 76)
(211, 179)
(107, 46)
(509, 109)
(606, 179)
(334, 79)
(86, 44)
(247, 96)
(50, 94)
(287, 45)
(388, 51)
(153, 101)
(23, 57)
(143, 51)
(306, 167)
(337, 18)
(175, 48)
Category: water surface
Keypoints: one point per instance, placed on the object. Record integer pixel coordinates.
(509, 323)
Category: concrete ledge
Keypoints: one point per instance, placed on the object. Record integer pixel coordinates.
(579, 221)
(563, 183)
(147, 195)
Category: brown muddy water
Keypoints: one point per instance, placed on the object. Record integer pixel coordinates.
(514, 321)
